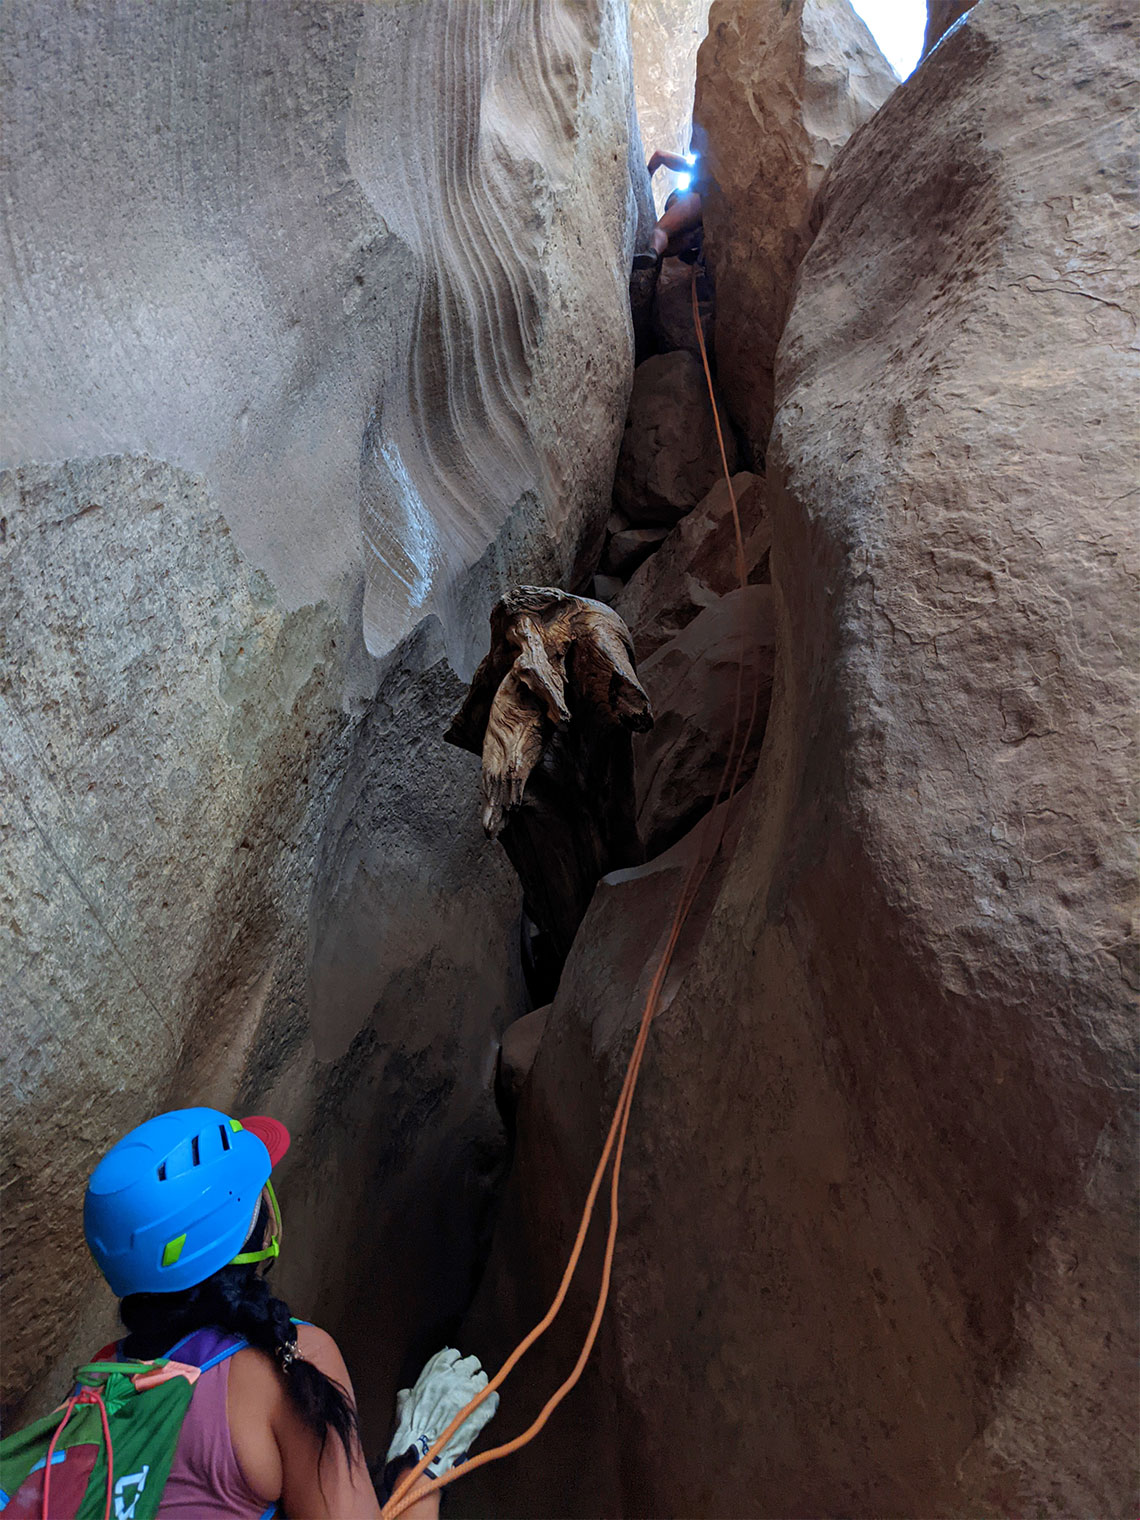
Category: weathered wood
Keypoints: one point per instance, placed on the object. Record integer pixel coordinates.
(551, 712)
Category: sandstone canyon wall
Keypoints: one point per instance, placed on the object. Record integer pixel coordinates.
(666, 35)
(878, 1216)
(940, 17)
(303, 364)
(780, 89)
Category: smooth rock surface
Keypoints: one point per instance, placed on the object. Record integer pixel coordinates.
(228, 890)
(710, 682)
(562, 1118)
(354, 308)
(879, 1214)
(669, 457)
(697, 564)
(299, 344)
(781, 86)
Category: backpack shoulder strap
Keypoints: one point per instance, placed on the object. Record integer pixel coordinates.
(184, 1351)
(226, 1352)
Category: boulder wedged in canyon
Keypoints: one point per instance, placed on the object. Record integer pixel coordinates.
(673, 309)
(628, 548)
(878, 1227)
(669, 457)
(781, 86)
(300, 346)
(518, 1050)
(712, 679)
(696, 564)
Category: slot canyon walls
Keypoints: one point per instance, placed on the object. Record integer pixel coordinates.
(317, 335)
(878, 1214)
(780, 89)
(666, 35)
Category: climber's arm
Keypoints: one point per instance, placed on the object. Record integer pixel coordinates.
(426, 1508)
(675, 161)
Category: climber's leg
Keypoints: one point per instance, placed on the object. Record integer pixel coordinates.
(682, 213)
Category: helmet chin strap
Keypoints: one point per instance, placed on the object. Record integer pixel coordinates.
(273, 1249)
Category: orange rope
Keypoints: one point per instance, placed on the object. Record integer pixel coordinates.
(409, 1490)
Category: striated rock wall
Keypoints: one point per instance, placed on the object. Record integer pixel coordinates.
(781, 86)
(879, 1214)
(504, 179)
(321, 268)
(304, 362)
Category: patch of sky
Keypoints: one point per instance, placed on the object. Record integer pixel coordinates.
(897, 26)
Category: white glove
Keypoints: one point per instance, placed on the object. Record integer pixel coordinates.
(425, 1411)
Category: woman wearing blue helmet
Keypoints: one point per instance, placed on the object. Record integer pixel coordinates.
(182, 1221)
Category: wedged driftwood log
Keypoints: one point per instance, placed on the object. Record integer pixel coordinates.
(551, 712)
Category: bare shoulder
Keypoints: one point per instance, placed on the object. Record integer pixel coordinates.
(256, 1371)
(317, 1346)
(260, 1375)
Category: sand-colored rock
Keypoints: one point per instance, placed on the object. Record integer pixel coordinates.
(696, 564)
(665, 35)
(781, 86)
(712, 678)
(673, 309)
(373, 277)
(299, 348)
(669, 456)
(879, 1216)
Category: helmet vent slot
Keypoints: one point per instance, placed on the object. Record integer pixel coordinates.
(223, 1130)
(162, 1172)
(195, 1152)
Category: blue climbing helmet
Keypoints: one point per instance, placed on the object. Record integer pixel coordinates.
(176, 1199)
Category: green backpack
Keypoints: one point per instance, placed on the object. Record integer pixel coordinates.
(106, 1453)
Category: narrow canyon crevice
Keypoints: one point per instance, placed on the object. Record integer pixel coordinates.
(372, 636)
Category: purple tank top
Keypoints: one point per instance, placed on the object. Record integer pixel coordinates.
(205, 1481)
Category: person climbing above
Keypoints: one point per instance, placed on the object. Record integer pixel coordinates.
(182, 1221)
(677, 232)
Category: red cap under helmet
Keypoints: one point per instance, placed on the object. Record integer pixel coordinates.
(271, 1132)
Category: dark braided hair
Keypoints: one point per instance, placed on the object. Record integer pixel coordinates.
(237, 1298)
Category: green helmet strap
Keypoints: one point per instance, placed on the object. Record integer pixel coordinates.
(273, 1249)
